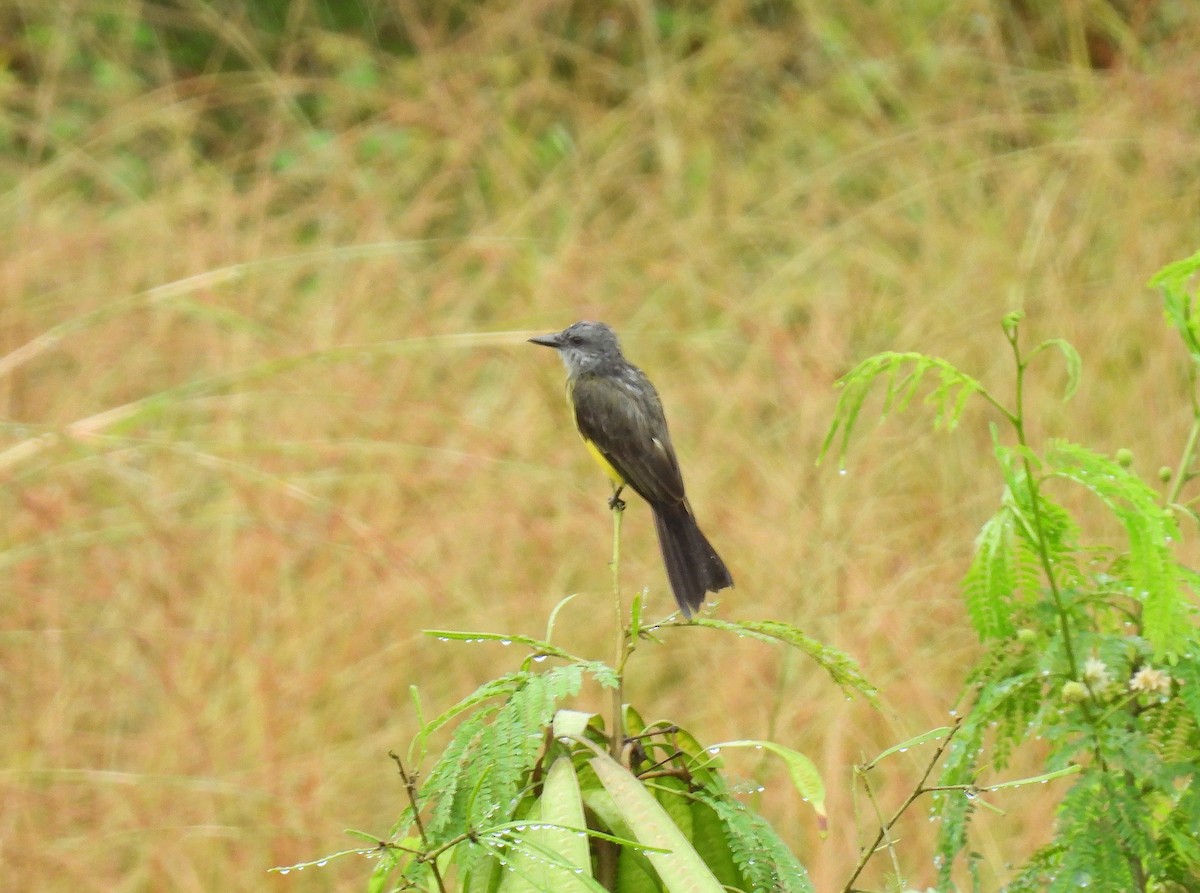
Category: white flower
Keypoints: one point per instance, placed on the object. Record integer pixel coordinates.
(1151, 681)
(1096, 675)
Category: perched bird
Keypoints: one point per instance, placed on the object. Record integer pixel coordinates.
(620, 417)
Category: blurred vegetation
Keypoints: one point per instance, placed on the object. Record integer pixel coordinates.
(264, 416)
(1088, 646)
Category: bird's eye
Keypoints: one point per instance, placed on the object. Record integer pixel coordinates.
(576, 340)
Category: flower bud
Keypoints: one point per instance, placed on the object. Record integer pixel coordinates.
(1073, 692)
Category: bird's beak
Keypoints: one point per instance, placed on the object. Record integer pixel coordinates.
(547, 340)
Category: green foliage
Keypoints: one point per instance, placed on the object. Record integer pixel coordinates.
(1090, 640)
(1179, 300)
(840, 666)
(901, 375)
(478, 780)
(763, 860)
(520, 779)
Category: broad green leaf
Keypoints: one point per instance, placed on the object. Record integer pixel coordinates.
(571, 723)
(680, 867)
(562, 805)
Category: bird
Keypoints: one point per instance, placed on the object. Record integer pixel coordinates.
(620, 417)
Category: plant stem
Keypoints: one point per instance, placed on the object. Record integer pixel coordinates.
(1017, 418)
(617, 743)
(1185, 461)
(886, 827)
(410, 788)
(607, 852)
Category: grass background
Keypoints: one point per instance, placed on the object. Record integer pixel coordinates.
(267, 412)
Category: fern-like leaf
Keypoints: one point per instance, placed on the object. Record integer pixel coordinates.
(1179, 300)
(761, 857)
(991, 580)
(997, 698)
(1148, 529)
(478, 781)
(501, 687)
(1103, 822)
(902, 374)
(839, 665)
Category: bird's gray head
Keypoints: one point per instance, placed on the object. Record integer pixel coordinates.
(584, 346)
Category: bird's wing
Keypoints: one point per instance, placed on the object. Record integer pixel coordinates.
(623, 417)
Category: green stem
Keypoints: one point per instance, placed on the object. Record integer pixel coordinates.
(607, 852)
(886, 827)
(617, 742)
(429, 856)
(1047, 563)
(1018, 420)
(1185, 461)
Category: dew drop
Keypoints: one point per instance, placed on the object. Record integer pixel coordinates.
(284, 870)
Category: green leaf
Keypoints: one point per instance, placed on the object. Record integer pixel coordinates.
(1074, 363)
(1149, 530)
(1179, 302)
(538, 646)
(548, 853)
(903, 746)
(1074, 769)
(712, 843)
(991, 580)
(571, 723)
(761, 857)
(838, 664)
(901, 374)
(562, 805)
(680, 866)
(805, 776)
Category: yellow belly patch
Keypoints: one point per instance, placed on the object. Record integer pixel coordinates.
(603, 463)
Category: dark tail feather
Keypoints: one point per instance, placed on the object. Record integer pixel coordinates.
(693, 565)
